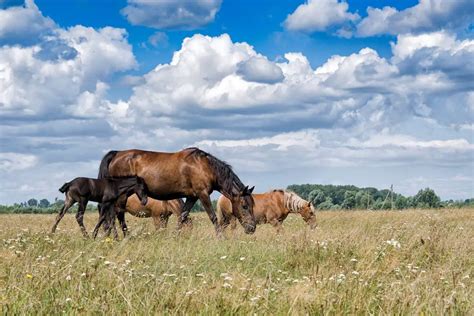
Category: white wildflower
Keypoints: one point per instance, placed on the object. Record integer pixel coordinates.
(226, 285)
(224, 257)
(242, 258)
(68, 278)
(68, 300)
(354, 260)
(394, 243)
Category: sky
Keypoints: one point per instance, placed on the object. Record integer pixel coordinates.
(370, 93)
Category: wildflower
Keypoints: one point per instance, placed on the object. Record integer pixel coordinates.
(200, 275)
(83, 274)
(68, 278)
(107, 263)
(227, 278)
(29, 276)
(68, 300)
(255, 298)
(108, 240)
(394, 243)
(226, 285)
(340, 278)
(189, 293)
(354, 260)
(242, 258)
(224, 257)
(355, 273)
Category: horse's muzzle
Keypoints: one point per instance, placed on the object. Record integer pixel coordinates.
(249, 229)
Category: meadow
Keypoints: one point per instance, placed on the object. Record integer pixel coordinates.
(357, 262)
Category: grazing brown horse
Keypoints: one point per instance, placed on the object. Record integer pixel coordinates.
(271, 207)
(105, 191)
(160, 211)
(190, 173)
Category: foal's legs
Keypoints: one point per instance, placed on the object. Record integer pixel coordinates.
(67, 204)
(80, 216)
(121, 219)
(104, 211)
(206, 203)
(188, 205)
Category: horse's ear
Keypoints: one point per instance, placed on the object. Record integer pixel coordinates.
(309, 204)
(245, 190)
(251, 190)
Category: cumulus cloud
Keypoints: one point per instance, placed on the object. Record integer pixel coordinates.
(23, 24)
(319, 15)
(44, 78)
(426, 16)
(169, 14)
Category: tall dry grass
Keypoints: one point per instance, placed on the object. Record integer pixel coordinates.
(408, 262)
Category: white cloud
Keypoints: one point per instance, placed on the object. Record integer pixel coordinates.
(259, 69)
(170, 14)
(426, 16)
(13, 161)
(33, 85)
(23, 24)
(319, 15)
(281, 142)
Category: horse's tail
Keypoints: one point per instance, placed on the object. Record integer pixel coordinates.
(65, 187)
(104, 164)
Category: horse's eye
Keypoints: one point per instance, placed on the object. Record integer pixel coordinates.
(245, 207)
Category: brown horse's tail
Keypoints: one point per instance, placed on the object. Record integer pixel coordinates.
(65, 187)
(104, 164)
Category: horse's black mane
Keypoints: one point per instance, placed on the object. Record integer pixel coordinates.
(226, 177)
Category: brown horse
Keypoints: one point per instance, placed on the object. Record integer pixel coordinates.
(160, 211)
(191, 173)
(271, 207)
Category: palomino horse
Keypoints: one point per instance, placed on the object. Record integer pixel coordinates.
(105, 191)
(190, 173)
(271, 207)
(160, 211)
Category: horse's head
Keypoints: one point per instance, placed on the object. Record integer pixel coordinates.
(307, 212)
(242, 208)
(140, 190)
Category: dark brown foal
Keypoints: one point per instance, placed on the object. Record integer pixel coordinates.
(105, 191)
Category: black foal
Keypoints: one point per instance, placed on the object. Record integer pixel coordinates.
(105, 191)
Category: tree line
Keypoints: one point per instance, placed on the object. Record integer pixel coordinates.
(347, 197)
(323, 197)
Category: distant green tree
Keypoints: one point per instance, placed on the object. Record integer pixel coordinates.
(349, 201)
(32, 202)
(43, 203)
(427, 198)
(363, 199)
(401, 202)
(326, 205)
(316, 197)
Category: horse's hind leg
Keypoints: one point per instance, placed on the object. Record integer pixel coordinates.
(80, 216)
(67, 204)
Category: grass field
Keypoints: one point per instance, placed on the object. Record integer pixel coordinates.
(409, 262)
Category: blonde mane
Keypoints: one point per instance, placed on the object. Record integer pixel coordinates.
(293, 202)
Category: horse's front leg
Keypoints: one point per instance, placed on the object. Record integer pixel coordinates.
(206, 203)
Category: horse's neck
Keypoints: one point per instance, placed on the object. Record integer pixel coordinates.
(292, 202)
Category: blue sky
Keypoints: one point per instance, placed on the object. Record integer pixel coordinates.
(370, 93)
